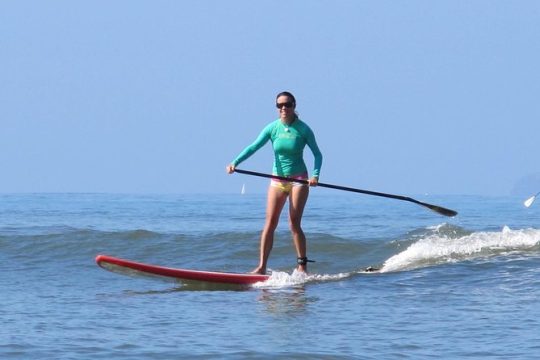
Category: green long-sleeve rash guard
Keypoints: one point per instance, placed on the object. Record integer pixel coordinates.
(288, 142)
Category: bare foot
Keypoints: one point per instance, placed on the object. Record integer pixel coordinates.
(258, 271)
(301, 268)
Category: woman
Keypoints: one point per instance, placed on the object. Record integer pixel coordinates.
(289, 135)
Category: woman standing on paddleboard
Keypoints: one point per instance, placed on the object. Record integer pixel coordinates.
(289, 136)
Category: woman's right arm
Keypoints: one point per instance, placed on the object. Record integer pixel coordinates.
(262, 139)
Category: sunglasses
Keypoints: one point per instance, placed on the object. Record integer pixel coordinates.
(287, 104)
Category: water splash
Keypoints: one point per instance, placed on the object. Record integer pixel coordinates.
(442, 248)
(281, 279)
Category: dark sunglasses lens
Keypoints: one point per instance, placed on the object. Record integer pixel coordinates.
(288, 105)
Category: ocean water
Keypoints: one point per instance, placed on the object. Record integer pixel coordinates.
(453, 288)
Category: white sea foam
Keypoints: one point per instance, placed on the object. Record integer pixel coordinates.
(439, 248)
(281, 279)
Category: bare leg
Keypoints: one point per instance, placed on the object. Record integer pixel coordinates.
(297, 202)
(275, 201)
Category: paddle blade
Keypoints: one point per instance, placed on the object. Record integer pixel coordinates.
(441, 210)
(529, 201)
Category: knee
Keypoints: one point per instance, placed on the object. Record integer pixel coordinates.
(294, 225)
(271, 224)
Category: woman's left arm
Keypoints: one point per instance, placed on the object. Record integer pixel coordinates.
(312, 143)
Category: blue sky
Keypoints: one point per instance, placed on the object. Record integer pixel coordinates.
(406, 97)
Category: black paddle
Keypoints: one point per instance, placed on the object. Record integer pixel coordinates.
(437, 209)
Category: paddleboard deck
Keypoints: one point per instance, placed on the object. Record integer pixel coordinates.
(128, 267)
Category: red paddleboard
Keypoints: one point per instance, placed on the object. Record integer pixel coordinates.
(129, 267)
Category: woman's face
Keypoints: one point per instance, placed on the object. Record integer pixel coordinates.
(285, 107)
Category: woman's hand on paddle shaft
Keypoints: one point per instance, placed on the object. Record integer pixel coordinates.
(314, 181)
(229, 169)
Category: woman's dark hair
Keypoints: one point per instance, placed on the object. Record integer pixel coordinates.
(286, 93)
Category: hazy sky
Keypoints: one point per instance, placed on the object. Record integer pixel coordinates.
(406, 97)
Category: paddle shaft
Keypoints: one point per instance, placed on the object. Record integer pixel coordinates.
(438, 209)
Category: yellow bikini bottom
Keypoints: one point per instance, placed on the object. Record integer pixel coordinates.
(286, 186)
